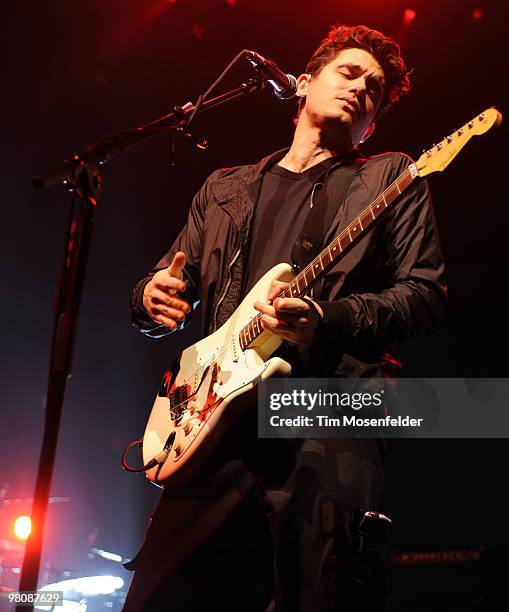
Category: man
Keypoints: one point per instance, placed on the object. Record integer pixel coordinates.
(330, 553)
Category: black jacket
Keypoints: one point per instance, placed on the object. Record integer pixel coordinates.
(388, 290)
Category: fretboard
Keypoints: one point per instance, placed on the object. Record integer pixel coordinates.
(335, 250)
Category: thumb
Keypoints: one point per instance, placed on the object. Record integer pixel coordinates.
(175, 268)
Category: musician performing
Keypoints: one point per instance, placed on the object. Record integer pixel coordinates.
(250, 525)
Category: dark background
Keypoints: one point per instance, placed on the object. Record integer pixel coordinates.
(76, 72)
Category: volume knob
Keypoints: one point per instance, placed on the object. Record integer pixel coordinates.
(187, 427)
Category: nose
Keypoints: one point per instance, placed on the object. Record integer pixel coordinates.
(358, 87)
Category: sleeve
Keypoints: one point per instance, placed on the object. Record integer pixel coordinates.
(412, 307)
(189, 241)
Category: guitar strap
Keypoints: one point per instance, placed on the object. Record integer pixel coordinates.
(323, 210)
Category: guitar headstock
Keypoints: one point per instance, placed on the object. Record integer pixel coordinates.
(441, 155)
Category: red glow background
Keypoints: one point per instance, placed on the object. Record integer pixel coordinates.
(76, 72)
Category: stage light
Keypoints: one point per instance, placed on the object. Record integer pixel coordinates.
(409, 15)
(477, 14)
(22, 527)
(88, 586)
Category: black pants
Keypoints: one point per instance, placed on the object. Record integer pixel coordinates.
(322, 557)
(329, 554)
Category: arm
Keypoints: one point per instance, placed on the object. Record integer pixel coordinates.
(412, 307)
(146, 294)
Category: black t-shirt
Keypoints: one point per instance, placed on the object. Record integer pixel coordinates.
(280, 213)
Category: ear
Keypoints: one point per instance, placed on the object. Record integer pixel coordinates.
(368, 132)
(302, 85)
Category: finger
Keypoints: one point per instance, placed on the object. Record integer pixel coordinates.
(168, 313)
(291, 305)
(279, 330)
(296, 320)
(265, 308)
(276, 288)
(274, 324)
(161, 297)
(175, 268)
(169, 323)
(169, 284)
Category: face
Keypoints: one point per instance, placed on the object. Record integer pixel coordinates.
(348, 90)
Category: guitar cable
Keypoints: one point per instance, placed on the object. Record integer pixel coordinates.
(159, 459)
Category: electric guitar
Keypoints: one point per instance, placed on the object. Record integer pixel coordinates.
(200, 396)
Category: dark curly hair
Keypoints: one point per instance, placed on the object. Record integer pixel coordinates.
(383, 48)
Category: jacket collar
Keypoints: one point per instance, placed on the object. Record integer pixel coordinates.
(227, 187)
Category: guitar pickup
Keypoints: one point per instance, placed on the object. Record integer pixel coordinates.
(178, 402)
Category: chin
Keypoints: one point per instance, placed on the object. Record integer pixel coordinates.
(337, 120)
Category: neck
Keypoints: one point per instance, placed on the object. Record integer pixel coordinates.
(312, 144)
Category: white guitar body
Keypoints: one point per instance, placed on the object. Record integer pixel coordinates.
(195, 405)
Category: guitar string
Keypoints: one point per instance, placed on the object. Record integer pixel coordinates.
(226, 349)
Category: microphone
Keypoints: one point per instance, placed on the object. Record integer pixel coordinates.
(284, 85)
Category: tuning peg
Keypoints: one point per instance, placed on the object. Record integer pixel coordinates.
(470, 124)
(449, 138)
(482, 116)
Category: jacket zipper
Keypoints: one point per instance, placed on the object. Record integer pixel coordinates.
(225, 290)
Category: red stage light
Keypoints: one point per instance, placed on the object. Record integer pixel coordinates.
(477, 14)
(409, 15)
(22, 527)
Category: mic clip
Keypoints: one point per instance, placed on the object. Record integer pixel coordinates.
(186, 129)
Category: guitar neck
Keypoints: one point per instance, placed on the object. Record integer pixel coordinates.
(336, 249)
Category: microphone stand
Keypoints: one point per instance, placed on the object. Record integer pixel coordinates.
(81, 176)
